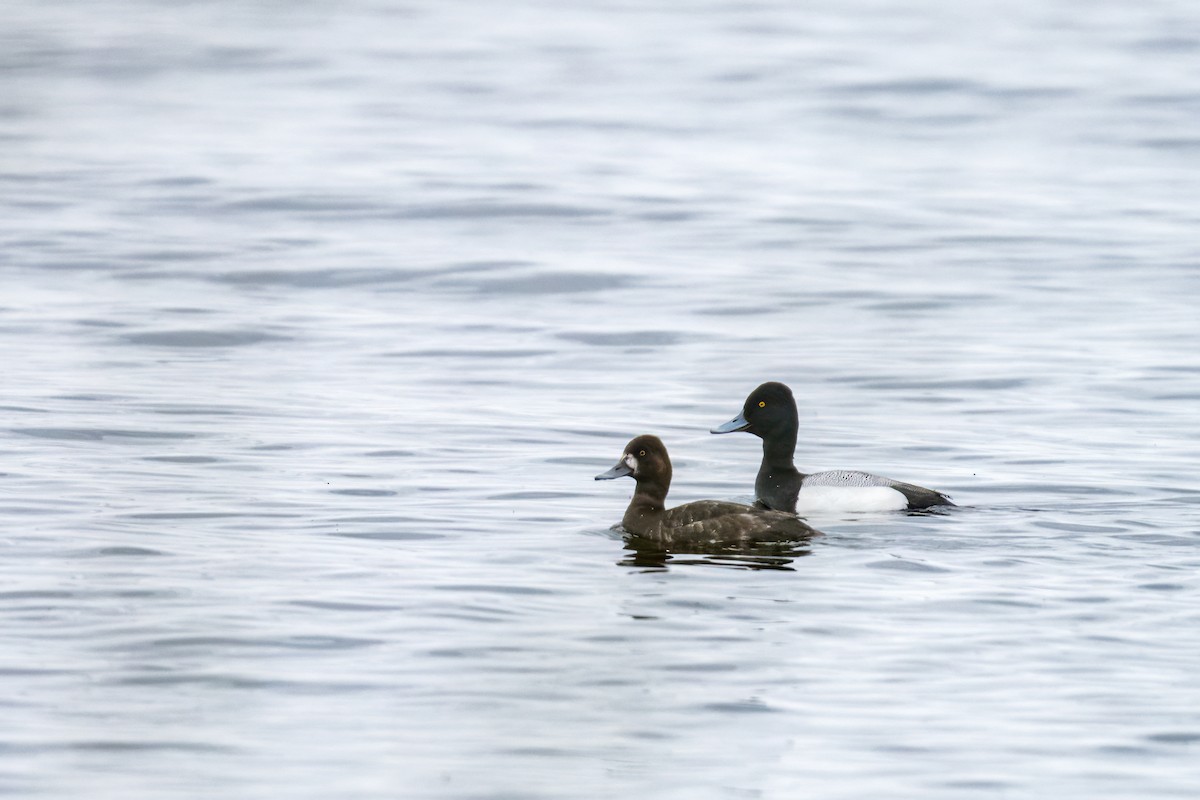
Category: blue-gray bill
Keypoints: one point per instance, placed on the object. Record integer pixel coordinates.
(738, 423)
(619, 471)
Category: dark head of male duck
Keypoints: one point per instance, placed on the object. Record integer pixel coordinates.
(645, 459)
(770, 414)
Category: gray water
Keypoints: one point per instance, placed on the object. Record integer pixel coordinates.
(316, 321)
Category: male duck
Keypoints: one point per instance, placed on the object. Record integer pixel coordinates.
(770, 414)
(645, 459)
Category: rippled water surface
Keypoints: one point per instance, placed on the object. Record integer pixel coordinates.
(316, 321)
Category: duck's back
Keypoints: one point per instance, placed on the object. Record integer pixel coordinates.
(714, 520)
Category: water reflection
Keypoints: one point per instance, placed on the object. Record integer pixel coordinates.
(650, 555)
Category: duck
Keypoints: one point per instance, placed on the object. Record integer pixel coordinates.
(770, 414)
(645, 460)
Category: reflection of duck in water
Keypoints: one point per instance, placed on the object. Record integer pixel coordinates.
(770, 414)
(773, 554)
(645, 460)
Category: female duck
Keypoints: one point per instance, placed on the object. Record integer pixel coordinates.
(770, 414)
(645, 459)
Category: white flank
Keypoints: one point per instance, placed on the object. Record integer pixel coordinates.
(825, 499)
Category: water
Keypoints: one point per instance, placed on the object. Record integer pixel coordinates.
(317, 322)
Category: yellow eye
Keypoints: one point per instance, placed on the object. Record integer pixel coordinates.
(641, 452)
(762, 403)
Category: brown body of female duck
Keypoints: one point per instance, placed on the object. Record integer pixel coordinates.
(645, 460)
